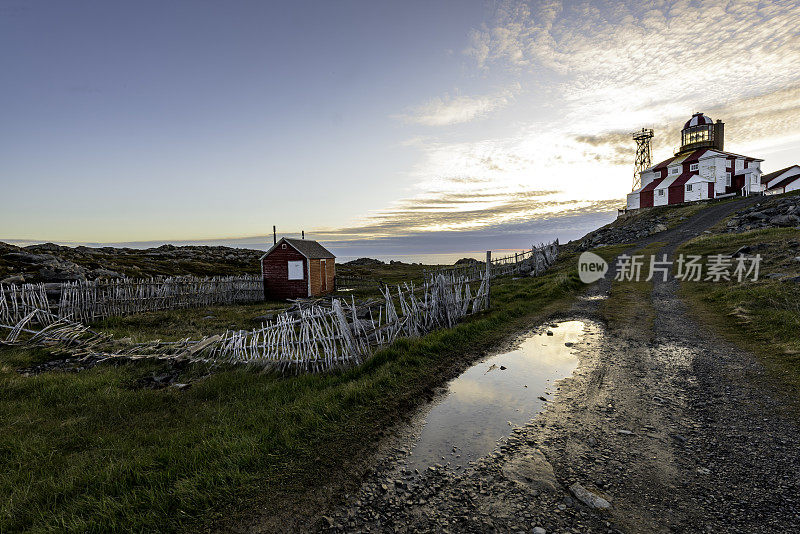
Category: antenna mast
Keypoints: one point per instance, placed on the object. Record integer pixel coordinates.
(643, 160)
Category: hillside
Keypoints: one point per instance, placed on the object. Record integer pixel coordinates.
(54, 263)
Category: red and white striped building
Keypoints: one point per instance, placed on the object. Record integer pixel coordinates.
(700, 170)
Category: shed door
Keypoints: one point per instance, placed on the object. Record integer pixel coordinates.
(324, 274)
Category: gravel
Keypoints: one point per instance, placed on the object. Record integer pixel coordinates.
(681, 433)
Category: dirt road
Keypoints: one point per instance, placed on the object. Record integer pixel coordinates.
(676, 429)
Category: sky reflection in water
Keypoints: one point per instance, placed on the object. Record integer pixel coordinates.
(479, 404)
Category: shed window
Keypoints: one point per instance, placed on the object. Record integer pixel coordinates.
(674, 170)
(728, 179)
(688, 187)
(693, 167)
(661, 192)
(295, 270)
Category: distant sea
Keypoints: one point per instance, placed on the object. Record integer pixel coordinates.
(430, 259)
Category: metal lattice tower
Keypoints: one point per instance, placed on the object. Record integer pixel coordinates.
(642, 155)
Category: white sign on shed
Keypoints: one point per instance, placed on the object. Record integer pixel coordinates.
(295, 270)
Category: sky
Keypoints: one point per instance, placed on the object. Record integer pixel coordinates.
(378, 128)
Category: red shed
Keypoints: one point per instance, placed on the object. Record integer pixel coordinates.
(295, 268)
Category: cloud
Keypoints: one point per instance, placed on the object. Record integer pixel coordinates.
(458, 109)
(630, 56)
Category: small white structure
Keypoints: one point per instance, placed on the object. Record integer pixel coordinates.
(700, 170)
(782, 181)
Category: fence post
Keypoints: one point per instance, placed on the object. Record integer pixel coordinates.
(488, 275)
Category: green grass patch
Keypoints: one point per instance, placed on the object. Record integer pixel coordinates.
(762, 316)
(89, 452)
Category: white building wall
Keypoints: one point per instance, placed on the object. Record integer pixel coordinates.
(633, 201)
(661, 195)
(696, 193)
(648, 177)
(794, 186)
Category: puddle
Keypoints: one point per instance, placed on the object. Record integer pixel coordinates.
(483, 403)
(591, 298)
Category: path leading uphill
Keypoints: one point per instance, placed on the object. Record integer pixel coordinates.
(679, 431)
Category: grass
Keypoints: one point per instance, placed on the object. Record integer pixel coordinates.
(90, 452)
(171, 325)
(761, 316)
(628, 308)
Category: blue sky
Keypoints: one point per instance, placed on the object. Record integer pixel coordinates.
(377, 127)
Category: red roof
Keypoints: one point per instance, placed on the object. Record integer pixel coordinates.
(698, 119)
(682, 179)
(652, 185)
(767, 177)
(694, 156)
(786, 181)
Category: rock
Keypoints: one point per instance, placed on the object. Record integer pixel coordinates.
(181, 386)
(703, 470)
(658, 229)
(539, 530)
(741, 252)
(13, 279)
(625, 432)
(467, 261)
(568, 344)
(104, 273)
(784, 220)
(549, 333)
(503, 367)
(588, 498)
(367, 262)
(532, 471)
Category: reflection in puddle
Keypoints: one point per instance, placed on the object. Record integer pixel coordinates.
(466, 424)
(593, 297)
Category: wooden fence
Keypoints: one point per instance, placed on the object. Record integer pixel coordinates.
(531, 262)
(89, 301)
(316, 339)
(17, 301)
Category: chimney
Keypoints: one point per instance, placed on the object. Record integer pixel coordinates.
(719, 135)
(274, 236)
(303, 234)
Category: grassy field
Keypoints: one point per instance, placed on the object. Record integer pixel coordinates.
(762, 316)
(92, 452)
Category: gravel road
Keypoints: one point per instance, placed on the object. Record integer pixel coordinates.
(682, 432)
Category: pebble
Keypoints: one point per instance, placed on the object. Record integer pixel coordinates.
(588, 498)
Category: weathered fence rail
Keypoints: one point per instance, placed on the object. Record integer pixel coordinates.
(531, 262)
(315, 339)
(89, 301)
(312, 339)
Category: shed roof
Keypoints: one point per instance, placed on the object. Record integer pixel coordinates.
(766, 178)
(307, 247)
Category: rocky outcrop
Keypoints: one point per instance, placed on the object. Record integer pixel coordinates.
(773, 212)
(49, 262)
(624, 230)
(365, 262)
